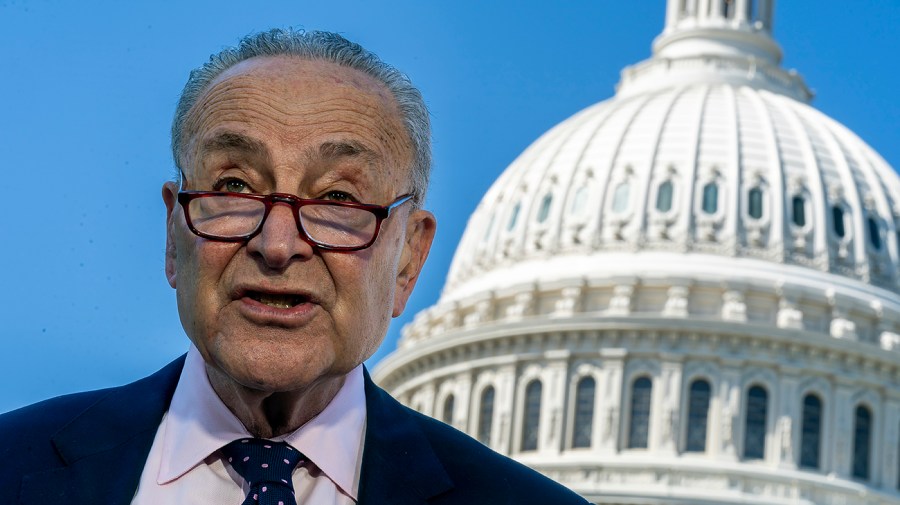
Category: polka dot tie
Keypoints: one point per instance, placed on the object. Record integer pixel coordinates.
(267, 467)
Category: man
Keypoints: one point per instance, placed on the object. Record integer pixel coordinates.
(294, 233)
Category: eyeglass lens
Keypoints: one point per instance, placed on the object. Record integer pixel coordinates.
(228, 217)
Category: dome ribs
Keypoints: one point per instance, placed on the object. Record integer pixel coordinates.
(779, 238)
(612, 173)
(654, 174)
(846, 191)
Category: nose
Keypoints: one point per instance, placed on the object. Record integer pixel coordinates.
(280, 239)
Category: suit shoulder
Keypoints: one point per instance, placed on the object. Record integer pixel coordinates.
(513, 482)
(46, 417)
(98, 420)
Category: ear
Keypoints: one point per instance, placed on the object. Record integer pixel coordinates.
(170, 197)
(420, 230)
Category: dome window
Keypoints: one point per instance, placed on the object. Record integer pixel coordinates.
(698, 415)
(811, 432)
(837, 216)
(579, 202)
(874, 233)
(639, 426)
(584, 412)
(620, 198)
(664, 197)
(447, 414)
(798, 210)
(755, 203)
(486, 415)
(544, 211)
(513, 217)
(755, 427)
(710, 202)
(862, 442)
(531, 418)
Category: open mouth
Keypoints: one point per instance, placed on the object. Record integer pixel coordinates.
(278, 301)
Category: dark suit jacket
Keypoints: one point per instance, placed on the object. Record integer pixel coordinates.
(90, 448)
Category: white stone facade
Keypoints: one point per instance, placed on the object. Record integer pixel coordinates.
(686, 294)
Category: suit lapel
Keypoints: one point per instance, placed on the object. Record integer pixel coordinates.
(105, 447)
(399, 466)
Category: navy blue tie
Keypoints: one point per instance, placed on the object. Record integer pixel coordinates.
(267, 468)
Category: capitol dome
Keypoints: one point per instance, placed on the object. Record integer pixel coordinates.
(688, 293)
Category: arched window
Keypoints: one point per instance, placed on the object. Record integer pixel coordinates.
(664, 197)
(710, 198)
(755, 203)
(513, 217)
(874, 233)
(811, 431)
(698, 415)
(584, 412)
(531, 418)
(486, 415)
(755, 426)
(620, 197)
(862, 442)
(837, 216)
(447, 414)
(798, 208)
(639, 429)
(544, 211)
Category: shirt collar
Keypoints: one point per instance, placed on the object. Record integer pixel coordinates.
(198, 424)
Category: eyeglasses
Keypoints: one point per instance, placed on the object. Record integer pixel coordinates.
(329, 225)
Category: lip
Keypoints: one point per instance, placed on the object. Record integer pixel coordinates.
(267, 315)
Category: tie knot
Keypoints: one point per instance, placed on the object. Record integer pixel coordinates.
(258, 460)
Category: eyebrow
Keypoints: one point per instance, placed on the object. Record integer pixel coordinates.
(333, 150)
(230, 141)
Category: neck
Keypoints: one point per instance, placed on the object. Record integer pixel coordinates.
(268, 414)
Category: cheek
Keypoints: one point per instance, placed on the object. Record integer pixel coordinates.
(201, 266)
(366, 290)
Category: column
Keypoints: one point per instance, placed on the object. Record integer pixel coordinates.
(611, 389)
(703, 8)
(742, 7)
(842, 440)
(729, 396)
(673, 12)
(789, 422)
(504, 402)
(426, 399)
(665, 411)
(463, 392)
(890, 458)
(553, 401)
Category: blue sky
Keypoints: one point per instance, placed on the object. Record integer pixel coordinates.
(88, 89)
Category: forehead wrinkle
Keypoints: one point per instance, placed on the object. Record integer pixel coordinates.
(235, 142)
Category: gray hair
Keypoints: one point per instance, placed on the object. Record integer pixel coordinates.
(324, 46)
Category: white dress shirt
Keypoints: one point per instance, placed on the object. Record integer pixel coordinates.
(185, 467)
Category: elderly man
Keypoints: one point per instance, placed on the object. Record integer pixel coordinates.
(294, 232)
